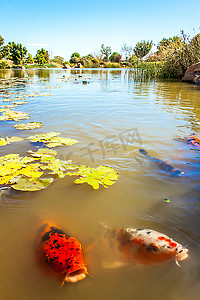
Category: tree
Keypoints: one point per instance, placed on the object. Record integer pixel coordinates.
(17, 53)
(1, 41)
(106, 51)
(58, 59)
(143, 48)
(76, 54)
(127, 50)
(115, 57)
(168, 44)
(29, 59)
(42, 57)
(3, 53)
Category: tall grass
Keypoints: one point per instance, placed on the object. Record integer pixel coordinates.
(144, 71)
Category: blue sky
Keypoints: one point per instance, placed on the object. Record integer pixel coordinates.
(64, 26)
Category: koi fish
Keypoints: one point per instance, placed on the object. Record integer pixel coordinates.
(144, 246)
(193, 140)
(162, 164)
(62, 254)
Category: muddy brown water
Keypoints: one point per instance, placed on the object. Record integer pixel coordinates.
(112, 117)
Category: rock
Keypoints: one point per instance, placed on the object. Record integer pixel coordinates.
(79, 65)
(67, 67)
(192, 74)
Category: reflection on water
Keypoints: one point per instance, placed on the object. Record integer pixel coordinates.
(112, 117)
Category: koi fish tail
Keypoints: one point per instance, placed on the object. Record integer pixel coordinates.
(142, 151)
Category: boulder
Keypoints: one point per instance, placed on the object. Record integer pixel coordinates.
(192, 74)
(66, 67)
(79, 65)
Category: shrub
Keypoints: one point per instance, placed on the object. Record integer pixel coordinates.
(4, 64)
(74, 60)
(178, 59)
(76, 54)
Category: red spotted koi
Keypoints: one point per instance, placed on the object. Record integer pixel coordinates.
(62, 254)
(145, 246)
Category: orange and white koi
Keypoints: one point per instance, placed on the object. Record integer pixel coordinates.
(60, 254)
(145, 246)
(193, 140)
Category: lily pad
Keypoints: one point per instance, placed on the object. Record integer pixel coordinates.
(8, 140)
(52, 140)
(57, 166)
(14, 139)
(9, 114)
(29, 126)
(3, 142)
(30, 185)
(103, 175)
(42, 152)
(20, 102)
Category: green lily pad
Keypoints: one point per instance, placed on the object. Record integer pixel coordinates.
(30, 185)
(29, 126)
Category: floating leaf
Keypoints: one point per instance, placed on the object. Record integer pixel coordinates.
(8, 114)
(27, 184)
(56, 166)
(29, 126)
(30, 170)
(14, 139)
(42, 152)
(20, 102)
(44, 138)
(8, 140)
(102, 175)
(3, 142)
(9, 168)
(52, 140)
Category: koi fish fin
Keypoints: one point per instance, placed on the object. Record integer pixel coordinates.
(110, 264)
(90, 247)
(177, 263)
(142, 151)
(62, 283)
(103, 226)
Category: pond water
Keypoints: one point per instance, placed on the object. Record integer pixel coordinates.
(112, 117)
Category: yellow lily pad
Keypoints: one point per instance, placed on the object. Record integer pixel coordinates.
(8, 140)
(42, 152)
(52, 140)
(29, 185)
(8, 114)
(29, 126)
(103, 175)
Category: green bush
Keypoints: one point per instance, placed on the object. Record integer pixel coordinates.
(74, 60)
(178, 58)
(112, 65)
(4, 64)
